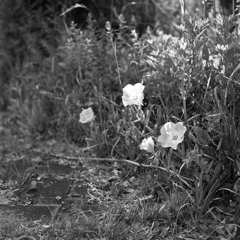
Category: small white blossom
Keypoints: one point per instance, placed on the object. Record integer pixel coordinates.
(147, 145)
(171, 134)
(86, 115)
(133, 94)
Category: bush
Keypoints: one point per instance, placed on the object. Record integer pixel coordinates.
(191, 79)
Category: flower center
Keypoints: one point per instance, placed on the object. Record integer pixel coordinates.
(134, 96)
(175, 138)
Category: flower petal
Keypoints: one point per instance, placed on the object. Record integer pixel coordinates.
(180, 139)
(174, 145)
(139, 88)
(180, 129)
(166, 144)
(128, 90)
(163, 130)
(168, 128)
(165, 140)
(127, 95)
(147, 145)
(150, 145)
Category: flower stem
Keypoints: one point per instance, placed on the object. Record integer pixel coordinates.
(169, 157)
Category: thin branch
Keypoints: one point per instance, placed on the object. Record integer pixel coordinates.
(140, 165)
(181, 178)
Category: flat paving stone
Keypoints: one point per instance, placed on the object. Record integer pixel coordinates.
(54, 168)
(53, 192)
(74, 205)
(79, 189)
(50, 191)
(33, 213)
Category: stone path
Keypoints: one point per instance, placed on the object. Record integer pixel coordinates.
(48, 187)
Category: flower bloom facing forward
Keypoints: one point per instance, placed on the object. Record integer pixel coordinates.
(147, 145)
(172, 134)
(86, 115)
(133, 94)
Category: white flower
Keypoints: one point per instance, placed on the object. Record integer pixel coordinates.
(133, 95)
(147, 145)
(86, 115)
(171, 135)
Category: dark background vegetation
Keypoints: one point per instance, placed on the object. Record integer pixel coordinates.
(32, 33)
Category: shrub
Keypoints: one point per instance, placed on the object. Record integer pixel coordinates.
(191, 79)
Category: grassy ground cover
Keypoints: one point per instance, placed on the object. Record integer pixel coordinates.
(155, 120)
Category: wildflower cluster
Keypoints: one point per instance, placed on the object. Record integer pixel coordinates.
(171, 134)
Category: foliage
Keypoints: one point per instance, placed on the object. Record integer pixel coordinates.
(192, 78)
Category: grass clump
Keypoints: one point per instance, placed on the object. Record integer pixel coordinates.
(11, 225)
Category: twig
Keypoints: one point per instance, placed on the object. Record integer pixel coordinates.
(126, 161)
(139, 165)
(58, 156)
